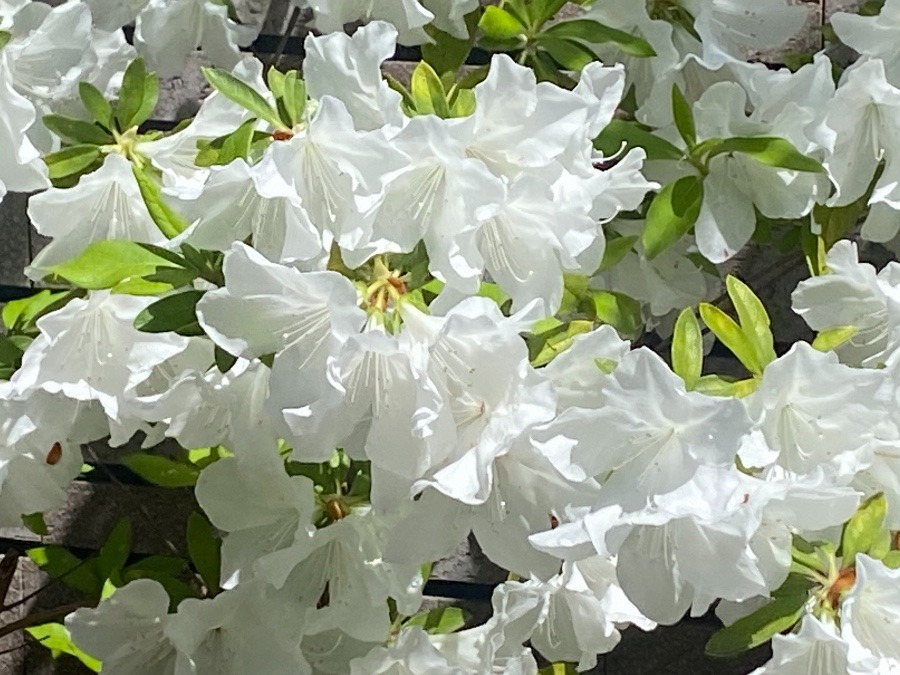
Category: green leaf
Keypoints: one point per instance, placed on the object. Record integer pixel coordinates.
(541, 11)
(56, 638)
(891, 560)
(616, 249)
(104, 264)
(77, 131)
(236, 145)
(137, 96)
(591, 31)
(754, 319)
(759, 627)
(59, 563)
(447, 53)
(569, 54)
(168, 221)
(684, 117)
(634, 135)
(770, 151)
(115, 551)
(168, 571)
(275, 80)
(428, 92)
(687, 348)
(148, 104)
(19, 315)
(35, 523)
(5, 37)
(161, 470)
(831, 339)
(672, 214)
(618, 310)
(498, 24)
(493, 292)
(224, 360)
(243, 94)
(75, 159)
(294, 97)
(175, 313)
(864, 528)
(462, 103)
(205, 549)
(95, 103)
(439, 621)
(547, 346)
(730, 334)
(794, 585)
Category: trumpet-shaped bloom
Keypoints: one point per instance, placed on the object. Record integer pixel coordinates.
(587, 610)
(349, 69)
(240, 201)
(105, 204)
(127, 631)
(861, 129)
(870, 614)
(21, 168)
(807, 423)
(873, 36)
(339, 173)
(650, 433)
(261, 509)
(250, 628)
(853, 294)
(409, 17)
(302, 317)
(90, 351)
(167, 31)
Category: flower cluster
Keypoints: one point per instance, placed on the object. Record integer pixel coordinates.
(378, 317)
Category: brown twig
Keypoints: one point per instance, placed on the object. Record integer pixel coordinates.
(39, 617)
(282, 44)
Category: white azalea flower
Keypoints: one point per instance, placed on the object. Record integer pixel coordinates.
(411, 654)
(854, 294)
(807, 423)
(21, 168)
(873, 36)
(726, 26)
(250, 628)
(816, 648)
(737, 183)
(41, 436)
(303, 318)
(204, 408)
(861, 129)
(870, 613)
(105, 204)
(90, 351)
(409, 17)
(436, 198)
(127, 630)
(650, 432)
(689, 547)
(492, 393)
(240, 201)
(338, 172)
(261, 509)
(587, 610)
(348, 68)
(340, 574)
(200, 24)
(576, 382)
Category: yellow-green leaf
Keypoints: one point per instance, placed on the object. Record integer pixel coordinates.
(687, 348)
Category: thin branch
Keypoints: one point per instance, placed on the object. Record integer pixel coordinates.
(282, 44)
(37, 618)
